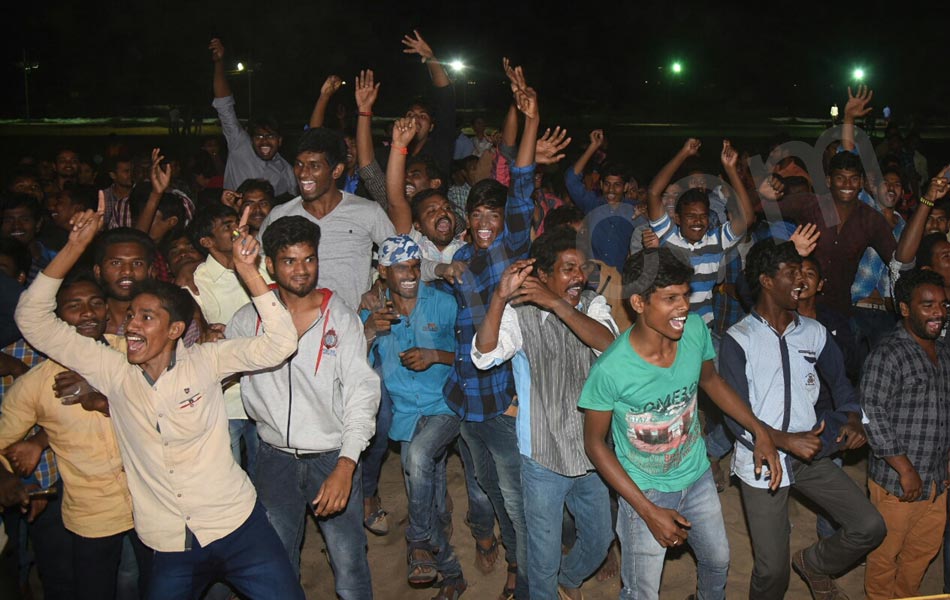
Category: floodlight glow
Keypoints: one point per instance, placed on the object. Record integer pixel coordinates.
(858, 74)
(240, 66)
(677, 68)
(457, 65)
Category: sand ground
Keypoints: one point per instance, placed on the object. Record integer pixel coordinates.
(388, 565)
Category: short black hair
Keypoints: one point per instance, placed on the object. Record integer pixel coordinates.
(488, 193)
(75, 276)
(170, 205)
(421, 196)
(257, 185)
(175, 300)
(651, 269)
(943, 204)
(84, 196)
(692, 196)
(112, 164)
(433, 171)
(913, 279)
(323, 141)
(124, 235)
(926, 248)
(424, 104)
(19, 252)
(11, 201)
(549, 245)
(203, 223)
(764, 258)
(845, 161)
(815, 263)
(563, 215)
(165, 245)
(290, 231)
(265, 122)
(613, 169)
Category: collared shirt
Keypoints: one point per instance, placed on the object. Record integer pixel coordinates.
(347, 235)
(432, 256)
(478, 395)
(243, 162)
(904, 396)
(458, 196)
(417, 394)
(117, 213)
(776, 373)
(172, 432)
(872, 273)
(840, 252)
(220, 295)
(550, 428)
(47, 470)
(609, 227)
(705, 257)
(96, 499)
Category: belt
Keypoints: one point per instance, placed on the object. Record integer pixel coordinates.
(873, 305)
(298, 454)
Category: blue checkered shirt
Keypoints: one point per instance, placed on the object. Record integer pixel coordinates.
(482, 395)
(46, 473)
(872, 273)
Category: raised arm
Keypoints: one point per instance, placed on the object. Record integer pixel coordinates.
(596, 141)
(658, 185)
(857, 107)
(221, 86)
(509, 129)
(160, 179)
(400, 212)
(730, 161)
(486, 338)
(417, 45)
(366, 93)
(914, 231)
(526, 99)
(329, 87)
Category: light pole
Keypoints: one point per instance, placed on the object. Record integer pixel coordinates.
(27, 66)
(249, 70)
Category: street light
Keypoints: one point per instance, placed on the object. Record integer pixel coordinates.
(240, 66)
(457, 66)
(677, 67)
(857, 74)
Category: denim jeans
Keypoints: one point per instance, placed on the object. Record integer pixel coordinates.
(494, 448)
(286, 486)
(480, 517)
(250, 558)
(244, 429)
(587, 499)
(374, 455)
(96, 566)
(423, 463)
(642, 556)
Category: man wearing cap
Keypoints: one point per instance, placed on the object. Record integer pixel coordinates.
(412, 337)
(315, 412)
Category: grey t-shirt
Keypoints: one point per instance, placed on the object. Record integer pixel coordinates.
(347, 236)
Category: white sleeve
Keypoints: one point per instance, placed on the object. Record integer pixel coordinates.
(509, 342)
(600, 311)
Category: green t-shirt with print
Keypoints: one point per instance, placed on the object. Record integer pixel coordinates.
(656, 430)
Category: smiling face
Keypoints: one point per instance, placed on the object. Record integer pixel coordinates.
(813, 282)
(436, 220)
(124, 265)
(402, 279)
(845, 185)
(693, 221)
(937, 222)
(61, 210)
(266, 143)
(149, 331)
(27, 184)
(785, 287)
(418, 179)
(568, 276)
(665, 311)
(925, 315)
(67, 164)
(19, 224)
(83, 305)
(295, 269)
(315, 176)
(485, 224)
(612, 187)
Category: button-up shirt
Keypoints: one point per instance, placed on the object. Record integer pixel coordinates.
(173, 431)
(96, 499)
(609, 227)
(873, 274)
(905, 400)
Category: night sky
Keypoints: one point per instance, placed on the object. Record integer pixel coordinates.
(135, 59)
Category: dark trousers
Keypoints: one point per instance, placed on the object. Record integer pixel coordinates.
(862, 527)
(96, 564)
(52, 545)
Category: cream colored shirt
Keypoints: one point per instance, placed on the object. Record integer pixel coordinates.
(96, 499)
(172, 432)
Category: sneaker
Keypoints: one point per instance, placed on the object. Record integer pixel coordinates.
(374, 517)
(823, 587)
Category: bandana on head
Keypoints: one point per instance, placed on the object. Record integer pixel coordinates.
(397, 249)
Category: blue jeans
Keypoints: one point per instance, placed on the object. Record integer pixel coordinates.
(286, 486)
(494, 448)
(244, 429)
(250, 558)
(374, 455)
(423, 462)
(480, 517)
(589, 502)
(642, 556)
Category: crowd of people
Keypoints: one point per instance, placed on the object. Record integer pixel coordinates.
(195, 360)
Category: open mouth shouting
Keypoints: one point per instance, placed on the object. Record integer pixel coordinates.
(797, 292)
(136, 343)
(678, 323)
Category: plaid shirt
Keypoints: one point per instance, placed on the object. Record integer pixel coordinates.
(46, 473)
(482, 395)
(872, 273)
(904, 396)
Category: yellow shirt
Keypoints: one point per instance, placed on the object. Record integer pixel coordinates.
(96, 500)
(172, 432)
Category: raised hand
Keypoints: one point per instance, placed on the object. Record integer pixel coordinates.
(527, 102)
(938, 186)
(417, 45)
(549, 146)
(597, 138)
(515, 75)
(857, 105)
(231, 198)
(217, 50)
(366, 91)
(772, 188)
(691, 147)
(805, 238)
(513, 277)
(403, 131)
(532, 291)
(85, 225)
(161, 178)
(729, 157)
(245, 246)
(331, 85)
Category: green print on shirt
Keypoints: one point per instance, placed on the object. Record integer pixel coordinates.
(662, 434)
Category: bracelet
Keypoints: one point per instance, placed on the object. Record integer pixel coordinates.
(365, 114)
(926, 202)
(401, 149)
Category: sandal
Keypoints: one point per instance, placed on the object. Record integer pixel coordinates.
(485, 557)
(422, 567)
(508, 593)
(375, 521)
(452, 589)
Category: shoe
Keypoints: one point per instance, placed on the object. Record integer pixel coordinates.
(375, 517)
(823, 587)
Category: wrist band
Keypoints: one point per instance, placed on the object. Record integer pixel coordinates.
(926, 202)
(365, 114)
(401, 149)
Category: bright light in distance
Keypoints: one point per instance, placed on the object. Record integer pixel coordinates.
(240, 66)
(457, 65)
(858, 74)
(834, 111)
(677, 68)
